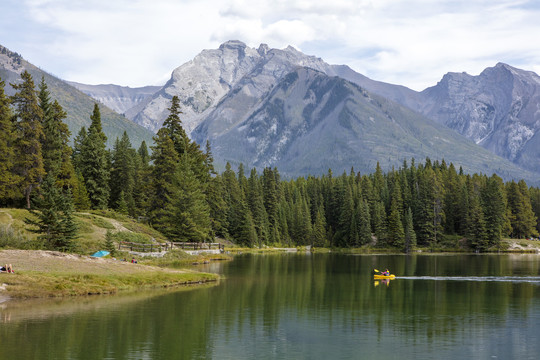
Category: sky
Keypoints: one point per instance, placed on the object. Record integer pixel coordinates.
(140, 42)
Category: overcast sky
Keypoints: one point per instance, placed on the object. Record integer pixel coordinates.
(140, 42)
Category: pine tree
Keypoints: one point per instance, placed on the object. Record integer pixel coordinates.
(477, 233)
(173, 126)
(52, 140)
(78, 144)
(378, 219)
(247, 234)
(81, 201)
(143, 153)
(430, 205)
(494, 205)
(53, 217)
(182, 143)
(452, 202)
(8, 180)
(123, 174)
(218, 207)
(522, 217)
(270, 193)
(188, 213)
(95, 164)
(236, 203)
(346, 230)
(535, 203)
(319, 237)
(396, 234)
(410, 235)
(28, 135)
(256, 206)
(364, 222)
(121, 205)
(55, 143)
(165, 161)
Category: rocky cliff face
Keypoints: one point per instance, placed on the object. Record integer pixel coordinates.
(234, 67)
(498, 109)
(117, 98)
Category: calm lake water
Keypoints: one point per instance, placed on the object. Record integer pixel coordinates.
(298, 306)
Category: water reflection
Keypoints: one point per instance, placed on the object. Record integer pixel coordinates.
(297, 306)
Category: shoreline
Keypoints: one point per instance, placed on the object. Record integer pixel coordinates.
(49, 274)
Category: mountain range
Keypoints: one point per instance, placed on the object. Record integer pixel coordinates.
(279, 107)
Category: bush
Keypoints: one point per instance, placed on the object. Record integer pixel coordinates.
(16, 239)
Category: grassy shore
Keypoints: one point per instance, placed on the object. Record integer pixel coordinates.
(54, 274)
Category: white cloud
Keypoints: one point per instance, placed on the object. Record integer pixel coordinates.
(410, 42)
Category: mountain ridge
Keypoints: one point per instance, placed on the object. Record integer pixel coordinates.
(77, 105)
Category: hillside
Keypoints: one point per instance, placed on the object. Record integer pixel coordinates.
(77, 105)
(92, 229)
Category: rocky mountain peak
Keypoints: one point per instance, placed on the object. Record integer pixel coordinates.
(263, 49)
(203, 82)
(232, 44)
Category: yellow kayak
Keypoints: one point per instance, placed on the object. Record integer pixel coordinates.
(379, 277)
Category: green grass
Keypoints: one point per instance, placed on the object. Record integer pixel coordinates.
(179, 259)
(98, 221)
(39, 284)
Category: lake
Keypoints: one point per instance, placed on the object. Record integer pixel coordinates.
(301, 306)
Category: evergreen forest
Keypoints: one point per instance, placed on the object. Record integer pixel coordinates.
(172, 185)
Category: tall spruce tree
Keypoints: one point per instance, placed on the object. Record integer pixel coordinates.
(396, 234)
(123, 174)
(319, 237)
(95, 163)
(270, 193)
(522, 217)
(494, 205)
(410, 235)
(8, 179)
(218, 207)
(81, 201)
(143, 153)
(28, 135)
(477, 233)
(165, 161)
(364, 222)
(77, 153)
(188, 212)
(55, 143)
(256, 205)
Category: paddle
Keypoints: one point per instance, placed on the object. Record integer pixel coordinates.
(376, 270)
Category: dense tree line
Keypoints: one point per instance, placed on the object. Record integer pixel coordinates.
(176, 189)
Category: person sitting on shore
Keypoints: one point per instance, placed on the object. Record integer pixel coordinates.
(6, 268)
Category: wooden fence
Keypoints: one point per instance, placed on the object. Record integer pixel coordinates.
(124, 245)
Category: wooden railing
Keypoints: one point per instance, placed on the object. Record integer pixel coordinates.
(124, 245)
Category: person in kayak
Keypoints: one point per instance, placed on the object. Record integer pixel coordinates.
(385, 272)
